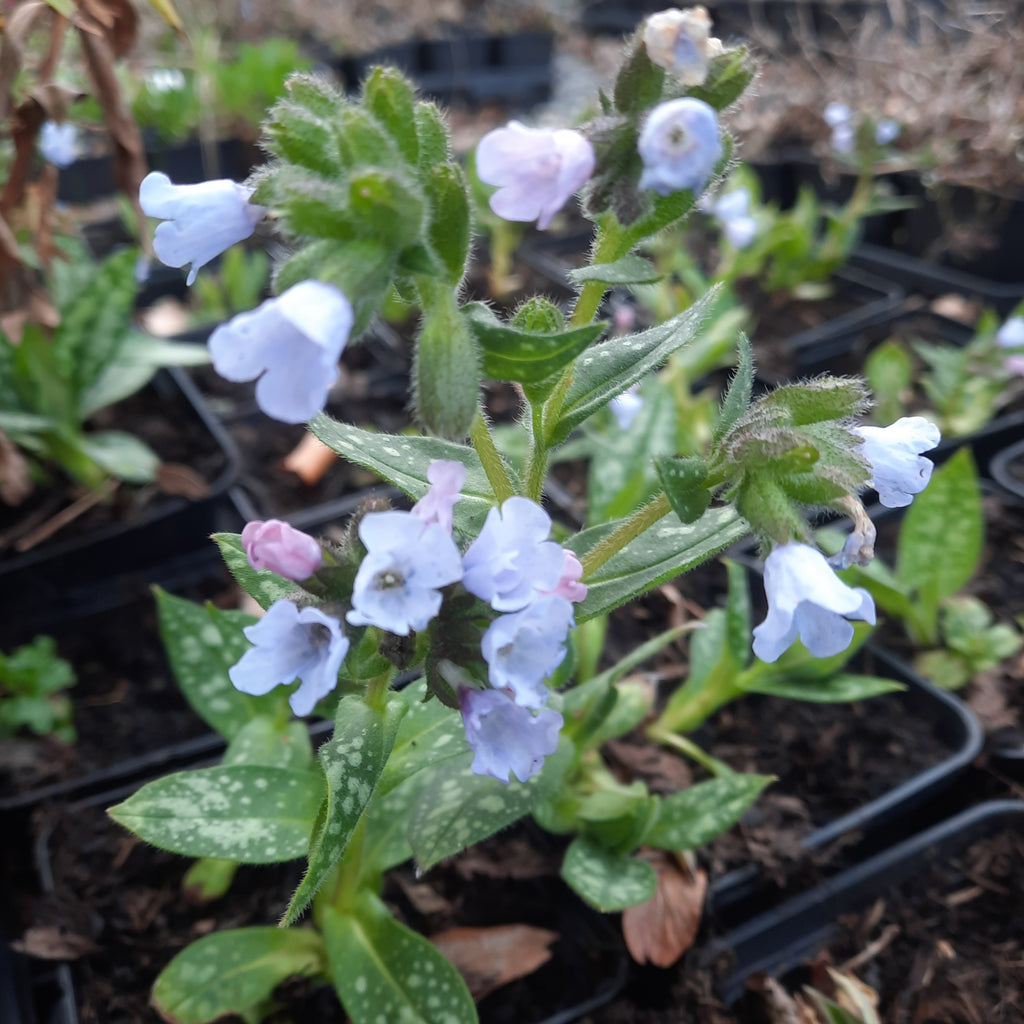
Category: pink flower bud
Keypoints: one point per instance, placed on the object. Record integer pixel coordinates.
(282, 549)
(569, 585)
(446, 479)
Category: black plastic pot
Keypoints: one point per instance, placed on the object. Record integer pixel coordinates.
(78, 576)
(466, 68)
(844, 352)
(875, 825)
(784, 938)
(93, 177)
(1003, 468)
(922, 277)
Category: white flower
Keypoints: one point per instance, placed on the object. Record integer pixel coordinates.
(292, 343)
(887, 130)
(200, 221)
(679, 42)
(536, 170)
(57, 143)
(898, 470)
(807, 599)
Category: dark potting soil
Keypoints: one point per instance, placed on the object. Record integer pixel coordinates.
(828, 760)
(165, 420)
(125, 702)
(124, 901)
(951, 943)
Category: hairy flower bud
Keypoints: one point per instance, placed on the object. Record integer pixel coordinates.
(678, 40)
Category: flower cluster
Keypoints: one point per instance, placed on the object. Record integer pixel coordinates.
(732, 212)
(410, 558)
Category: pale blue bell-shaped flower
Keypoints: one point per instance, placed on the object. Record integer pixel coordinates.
(200, 221)
(522, 649)
(536, 170)
(506, 737)
(512, 562)
(679, 146)
(292, 343)
(887, 130)
(679, 41)
(898, 469)
(1011, 334)
(807, 599)
(292, 643)
(407, 561)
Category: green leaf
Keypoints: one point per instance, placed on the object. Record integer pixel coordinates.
(202, 643)
(683, 482)
(667, 549)
(941, 538)
(384, 971)
(606, 880)
(737, 613)
(208, 879)
(729, 74)
(639, 82)
(352, 761)
(234, 971)
(840, 688)
(449, 227)
(608, 369)
(429, 734)
(631, 269)
(268, 741)
(390, 98)
(263, 586)
(249, 813)
(122, 455)
(403, 461)
(693, 817)
(510, 353)
(737, 397)
(457, 808)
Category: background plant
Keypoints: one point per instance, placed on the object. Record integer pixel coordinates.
(32, 681)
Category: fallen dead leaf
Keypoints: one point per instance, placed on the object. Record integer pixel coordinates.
(489, 958)
(512, 858)
(15, 482)
(661, 930)
(174, 478)
(51, 942)
(425, 898)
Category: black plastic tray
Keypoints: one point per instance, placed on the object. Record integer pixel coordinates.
(79, 576)
(783, 938)
(922, 277)
(876, 823)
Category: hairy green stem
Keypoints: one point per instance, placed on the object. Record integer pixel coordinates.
(490, 458)
(690, 707)
(641, 520)
(537, 458)
(691, 750)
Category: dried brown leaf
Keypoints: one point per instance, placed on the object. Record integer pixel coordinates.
(51, 942)
(174, 478)
(21, 23)
(489, 958)
(661, 930)
(15, 482)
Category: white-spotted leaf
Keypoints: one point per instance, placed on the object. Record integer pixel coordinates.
(385, 972)
(457, 808)
(351, 763)
(667, 549)
(234, 971)
(693, 817)
(403, 461)
(249, 813)
(202, 643)
(607, 880)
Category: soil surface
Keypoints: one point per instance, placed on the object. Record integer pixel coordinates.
(125, 703)
(165, 420)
